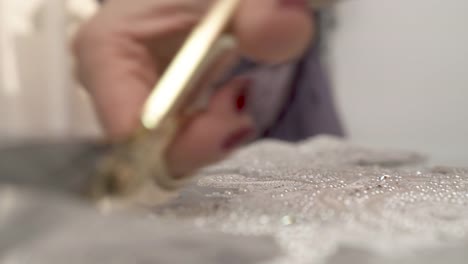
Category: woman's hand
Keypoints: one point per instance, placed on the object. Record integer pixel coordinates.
(120, 55)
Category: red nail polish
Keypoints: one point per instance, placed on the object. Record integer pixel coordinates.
(241, 99)
(237, 138)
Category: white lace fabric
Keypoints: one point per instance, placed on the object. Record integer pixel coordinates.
(311, 198)
(325, 193)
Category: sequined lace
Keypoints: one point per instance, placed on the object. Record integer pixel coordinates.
(325, 193)
(311, 198)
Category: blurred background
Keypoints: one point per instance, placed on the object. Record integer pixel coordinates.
(39, 98)
(399, 69)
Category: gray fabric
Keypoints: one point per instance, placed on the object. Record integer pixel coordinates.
(45, 228)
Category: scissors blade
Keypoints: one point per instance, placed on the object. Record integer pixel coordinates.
(62, 167)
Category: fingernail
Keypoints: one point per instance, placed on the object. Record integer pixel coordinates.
(237, 138)
(242, 96)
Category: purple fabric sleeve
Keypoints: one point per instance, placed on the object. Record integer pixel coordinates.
(310, 110)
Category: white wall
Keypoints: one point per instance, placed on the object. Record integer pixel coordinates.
(400, 69)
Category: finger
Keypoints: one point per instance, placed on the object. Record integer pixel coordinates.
(152, 8)
(213, 134)
(118, 86)
(172, 7)
(119, 72)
